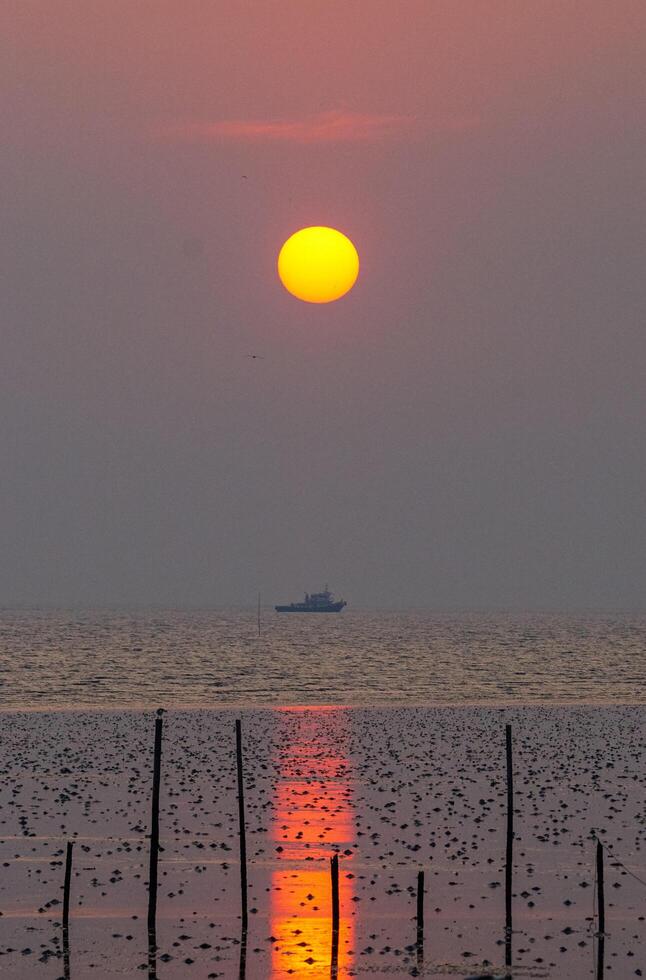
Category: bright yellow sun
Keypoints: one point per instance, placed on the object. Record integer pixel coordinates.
(318, 264)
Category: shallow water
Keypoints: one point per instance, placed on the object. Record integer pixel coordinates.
(72, 659)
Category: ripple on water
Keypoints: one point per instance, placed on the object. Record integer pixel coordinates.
(66, 659)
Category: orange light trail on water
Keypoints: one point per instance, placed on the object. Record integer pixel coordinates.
(313, 813)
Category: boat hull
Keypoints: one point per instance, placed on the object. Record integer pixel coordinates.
(334, 607)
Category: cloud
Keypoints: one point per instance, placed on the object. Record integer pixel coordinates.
(337, 126)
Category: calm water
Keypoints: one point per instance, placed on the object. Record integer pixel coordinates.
(66, 659)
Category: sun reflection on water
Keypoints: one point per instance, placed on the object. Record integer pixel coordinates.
(313, 818)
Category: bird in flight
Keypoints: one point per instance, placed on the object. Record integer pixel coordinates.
(255, 357)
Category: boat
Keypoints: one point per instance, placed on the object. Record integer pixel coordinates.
(316, 602)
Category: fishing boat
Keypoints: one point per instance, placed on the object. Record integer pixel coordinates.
(316, 602)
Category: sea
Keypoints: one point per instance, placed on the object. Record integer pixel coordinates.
(213, 658)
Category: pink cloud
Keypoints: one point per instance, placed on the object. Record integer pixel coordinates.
(337, 126)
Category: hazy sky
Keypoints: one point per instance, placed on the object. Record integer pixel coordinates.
(467, 428)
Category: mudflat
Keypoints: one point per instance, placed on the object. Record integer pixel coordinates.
(392, 791)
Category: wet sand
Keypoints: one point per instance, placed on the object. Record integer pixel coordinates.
(392, 790)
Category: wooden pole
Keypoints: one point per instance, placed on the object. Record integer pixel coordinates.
(601, 905)
(152, 956)
(154, 829)
(600, 956)
(509, 854)
(242, 965)
(67, 884)
(243, 835)
(66, 910)
(420, 901)
(334, 871)
(420, 918)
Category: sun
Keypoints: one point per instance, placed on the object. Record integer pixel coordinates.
(318, 264)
